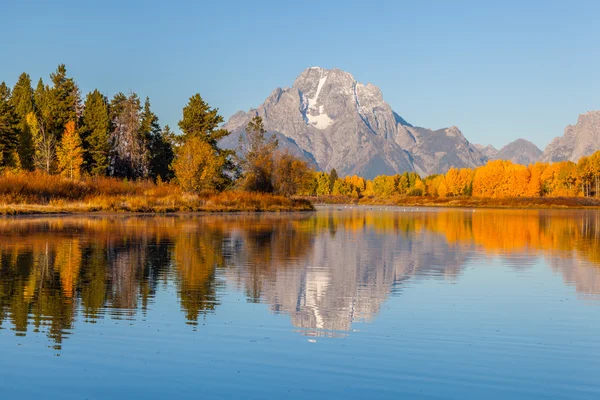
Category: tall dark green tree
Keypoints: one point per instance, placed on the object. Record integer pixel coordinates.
(333, 176)
(23, 103)
(149, 127)
(95, 133)
(159, 145)
(63, 101)
(202, 121)
(9, 132)
(163, 154)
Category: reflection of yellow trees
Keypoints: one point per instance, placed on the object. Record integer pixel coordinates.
(197, 253)
(53, 268)
(68, 263)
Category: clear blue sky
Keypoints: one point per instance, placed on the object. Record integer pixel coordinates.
(498, 70)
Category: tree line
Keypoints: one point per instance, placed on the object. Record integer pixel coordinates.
(496, 179)
(54, 130)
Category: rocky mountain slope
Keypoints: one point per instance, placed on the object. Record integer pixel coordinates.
(520, 151)
(489, 151)
(334, 121)
(579, 140)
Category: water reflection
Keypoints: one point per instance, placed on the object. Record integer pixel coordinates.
(326, 270)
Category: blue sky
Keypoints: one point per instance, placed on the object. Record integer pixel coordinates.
(498, 70)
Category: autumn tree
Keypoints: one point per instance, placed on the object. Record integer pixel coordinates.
(256, 157)
(95, 133)
(44, 144)
(70, 152)
(323, 183)
(198, 166)
(291, 175)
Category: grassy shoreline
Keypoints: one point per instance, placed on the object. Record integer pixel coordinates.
(223, 202)
(465, 202)
(38, 193)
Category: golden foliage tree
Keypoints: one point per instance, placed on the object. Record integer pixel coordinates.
(70, 152)
(290, 175)
(197, 166)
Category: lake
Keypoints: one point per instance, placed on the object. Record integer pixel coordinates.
(352, 303)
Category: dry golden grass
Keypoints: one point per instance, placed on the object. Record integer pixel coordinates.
(38, 193)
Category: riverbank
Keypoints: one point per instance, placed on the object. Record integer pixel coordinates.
(37, 193)
(222, 202)
(465, 202)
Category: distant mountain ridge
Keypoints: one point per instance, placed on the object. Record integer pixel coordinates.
(520, 151)
(579, 140)
(332, 121)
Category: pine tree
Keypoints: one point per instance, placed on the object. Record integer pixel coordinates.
(9, 133)
(333, 176)
(149, 128)
(63, 101)
(159, 145)
(201, 121)
(22, 100)
(95, 133)
(162, 155)
(70, 152)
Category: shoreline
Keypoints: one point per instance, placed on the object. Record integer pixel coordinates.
(542, 203)
(139, 205)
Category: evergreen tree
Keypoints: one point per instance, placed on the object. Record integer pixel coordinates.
(70, 152)
(95, 133)
(149, 128)
(333, 176)
(162, 154)
(63, 101)
(159, 145)
(9, 132)
(201, 121)
(22, 100)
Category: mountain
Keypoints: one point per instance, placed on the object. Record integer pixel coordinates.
(579, 140)
(333, 121)
(489, 151)
(520, 151)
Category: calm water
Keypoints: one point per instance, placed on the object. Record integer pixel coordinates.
(341, 303)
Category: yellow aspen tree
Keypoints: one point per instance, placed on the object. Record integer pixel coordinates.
(70, 153)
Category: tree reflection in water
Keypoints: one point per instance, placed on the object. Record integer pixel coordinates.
(326, 269)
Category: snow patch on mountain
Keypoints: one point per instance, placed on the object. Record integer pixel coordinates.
(316, 116)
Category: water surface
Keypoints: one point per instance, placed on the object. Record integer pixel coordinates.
(340, 303)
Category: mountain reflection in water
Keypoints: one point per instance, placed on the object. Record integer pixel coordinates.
(325, 270)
